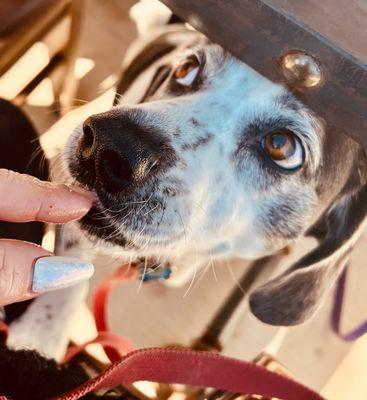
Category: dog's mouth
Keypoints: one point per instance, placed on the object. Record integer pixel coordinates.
(97, 225)
(131, 223)
(126, 221)
(124, 163)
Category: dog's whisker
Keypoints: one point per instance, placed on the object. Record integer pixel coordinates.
(202, 273)
(234, 278)
(191, 283)
(211, 262)
(142, 277)
(151, 210)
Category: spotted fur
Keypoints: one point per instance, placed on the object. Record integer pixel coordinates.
(220, 196)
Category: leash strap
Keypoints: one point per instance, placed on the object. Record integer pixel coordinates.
(100, 306)
(111, 342)
(180, 366)
(113, 345)
(337, 312)
(194, 368)
(100, 299)
(3, 333)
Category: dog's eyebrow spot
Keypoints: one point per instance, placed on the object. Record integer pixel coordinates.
(195, 122)
(70, 244)
(201, 141)
(174, 185)
(177, 133)
(170, 191)
(182, 164)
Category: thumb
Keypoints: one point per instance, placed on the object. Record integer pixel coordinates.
(27, 270)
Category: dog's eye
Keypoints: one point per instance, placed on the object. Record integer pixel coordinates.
(186, 72)
(284, 148)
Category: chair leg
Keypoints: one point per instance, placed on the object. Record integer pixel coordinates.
(69, 86)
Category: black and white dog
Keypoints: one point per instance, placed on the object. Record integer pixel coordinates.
(201, 157)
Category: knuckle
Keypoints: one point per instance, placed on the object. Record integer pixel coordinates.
(6, 276)
(8, 175)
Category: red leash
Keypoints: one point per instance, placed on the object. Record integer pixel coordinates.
(3, 333)
(100, 307)
(113, 345)
(180, 366)
(176, 366)
(125, 273)
(195, 368)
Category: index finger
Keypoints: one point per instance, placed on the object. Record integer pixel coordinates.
(24, 198)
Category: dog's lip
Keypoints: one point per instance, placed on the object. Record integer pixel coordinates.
(96, 225)
(94, 233)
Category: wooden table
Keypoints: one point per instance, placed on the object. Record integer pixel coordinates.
(261, 32)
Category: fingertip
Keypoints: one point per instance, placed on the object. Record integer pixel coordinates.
(82, 192)
(71, 203)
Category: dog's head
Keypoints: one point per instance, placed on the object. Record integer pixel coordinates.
(214, 160)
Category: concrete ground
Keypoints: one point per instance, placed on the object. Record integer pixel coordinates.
(154, 314)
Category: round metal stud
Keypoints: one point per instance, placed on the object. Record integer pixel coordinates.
(301, 70)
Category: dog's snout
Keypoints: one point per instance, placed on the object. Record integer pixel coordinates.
(114, 171)
(114, 153)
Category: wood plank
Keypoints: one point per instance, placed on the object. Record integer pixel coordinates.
(342, 22)
(260, 33)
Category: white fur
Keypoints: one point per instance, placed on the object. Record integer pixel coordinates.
(216, 212)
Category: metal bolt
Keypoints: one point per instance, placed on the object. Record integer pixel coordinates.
(301, 70)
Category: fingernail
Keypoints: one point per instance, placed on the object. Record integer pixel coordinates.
(56, 272)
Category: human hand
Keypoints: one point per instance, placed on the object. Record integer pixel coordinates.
(26, 269)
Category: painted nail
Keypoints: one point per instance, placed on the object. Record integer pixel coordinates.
(51, 273)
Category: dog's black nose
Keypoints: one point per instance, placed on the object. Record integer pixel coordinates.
(116, 153)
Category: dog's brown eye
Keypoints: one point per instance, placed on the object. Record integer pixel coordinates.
(284, 148)
(186, 72)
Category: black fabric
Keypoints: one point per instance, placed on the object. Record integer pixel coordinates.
(27, 375)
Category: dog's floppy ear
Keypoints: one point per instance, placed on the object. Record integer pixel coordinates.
(295, 295)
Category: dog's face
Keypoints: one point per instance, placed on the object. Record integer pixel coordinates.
(216, 160)
(213, 161)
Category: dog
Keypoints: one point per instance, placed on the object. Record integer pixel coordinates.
(203, 158)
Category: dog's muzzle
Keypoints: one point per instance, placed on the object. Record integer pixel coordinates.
(115, 154)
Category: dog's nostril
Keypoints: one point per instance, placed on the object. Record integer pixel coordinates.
(88, 136)
(115, 171)
(118, 167)
(87, 141)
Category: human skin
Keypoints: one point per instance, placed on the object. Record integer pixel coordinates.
(24, 198)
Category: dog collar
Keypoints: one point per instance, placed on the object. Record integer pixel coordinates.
(151, 270)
